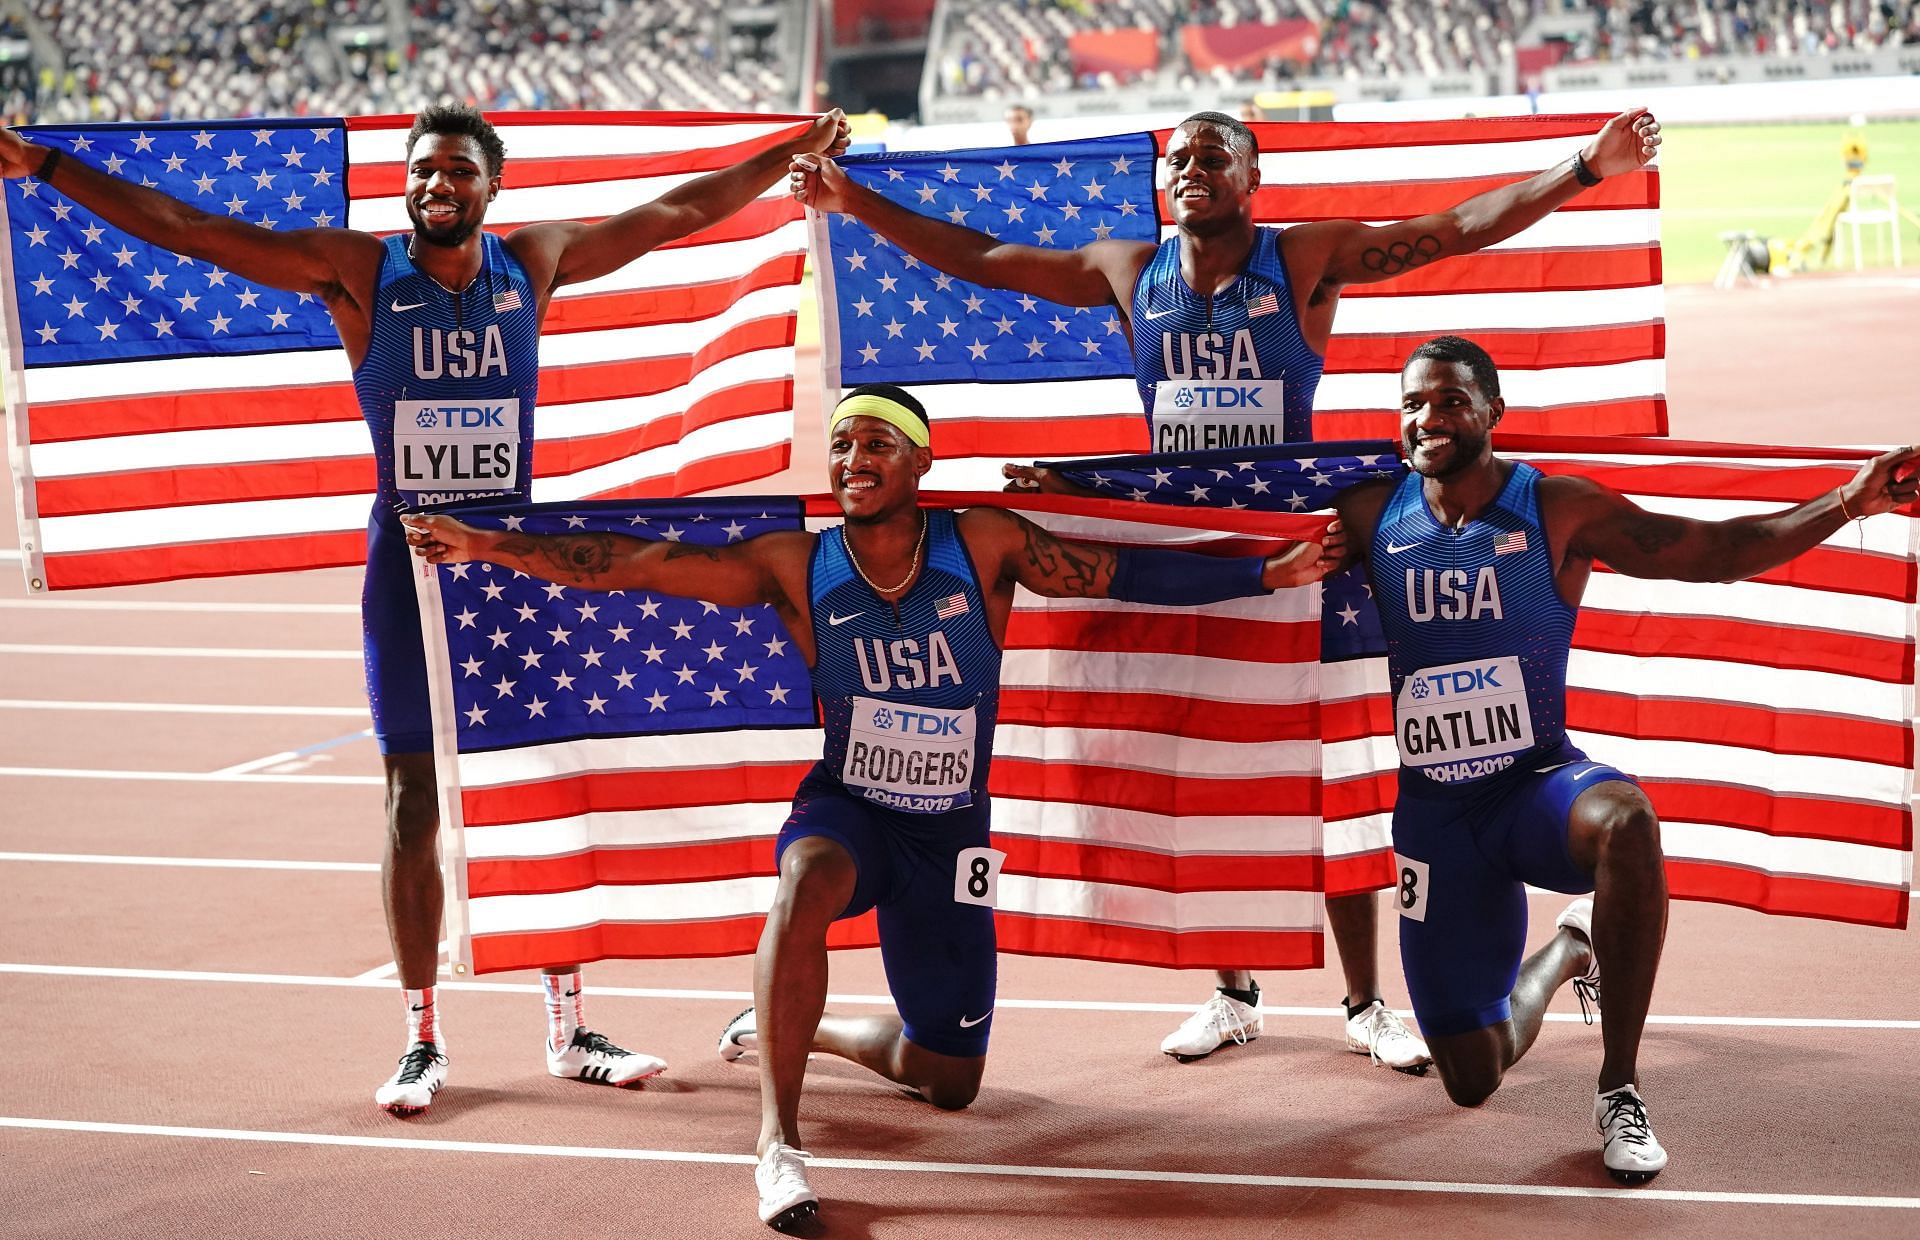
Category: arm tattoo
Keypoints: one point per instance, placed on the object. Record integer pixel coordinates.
(574, 557)
(1401, 255)
(1076, 569)
(1653, 535)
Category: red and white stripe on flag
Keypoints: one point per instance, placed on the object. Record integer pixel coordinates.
(1571, 309)
(1156, 788)
(1770, 721)
(670, 376)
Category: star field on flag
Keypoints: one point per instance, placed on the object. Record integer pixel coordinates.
(89, 292)
(902, 321)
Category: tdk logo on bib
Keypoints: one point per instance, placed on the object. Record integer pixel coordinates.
(1464, 721)
(460, 417)
(1190, 396)
(1189, 416)
(446, 450)
(1469, 680)
(915, 722)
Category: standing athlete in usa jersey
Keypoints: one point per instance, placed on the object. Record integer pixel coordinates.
(1478, 565)
(901, 614)
(1226, 305)
(441, 326)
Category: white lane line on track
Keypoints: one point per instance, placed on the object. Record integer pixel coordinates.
(375, 978)
(174, 652)
(185, 708)
(1013, 1171)
(268, 609)
(187, 777)
(198, 863)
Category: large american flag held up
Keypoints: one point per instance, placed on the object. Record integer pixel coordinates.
(169, 419)
(1571, 309)
(1770, 721)
(615, 766)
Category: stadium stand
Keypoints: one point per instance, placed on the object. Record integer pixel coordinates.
(1031, 48)
(150, 59)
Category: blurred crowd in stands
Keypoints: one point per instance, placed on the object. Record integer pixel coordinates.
(1030, 48)
(148, 59)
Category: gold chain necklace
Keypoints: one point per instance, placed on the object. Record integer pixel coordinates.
(912, 568)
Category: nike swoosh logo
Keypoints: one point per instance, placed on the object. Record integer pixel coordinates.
(1589, 771)
(396, 307)
(968, 1024)
(1158, 314)
(839, 620)
(1396, 550)
(1542, 770)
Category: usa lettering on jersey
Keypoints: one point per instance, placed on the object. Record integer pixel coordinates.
(898, 664)
(1209, 355)
(1443, 594)
(459, 353)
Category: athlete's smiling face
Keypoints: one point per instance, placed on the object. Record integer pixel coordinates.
(873, 468)
(1209, 183)
(1446, 421)
(448, 187)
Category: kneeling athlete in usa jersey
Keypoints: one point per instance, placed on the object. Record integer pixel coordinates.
(1478, 565)
(901, 614)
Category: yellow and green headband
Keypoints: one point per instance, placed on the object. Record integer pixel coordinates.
(892, 412)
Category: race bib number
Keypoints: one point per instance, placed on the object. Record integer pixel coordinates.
(976, 876)
(1463, 721)
(449, 449)
(913, 758)
(1412, 895)
(1193, 414)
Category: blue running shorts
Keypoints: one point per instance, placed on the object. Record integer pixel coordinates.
(1464, 864)
(939, 953)
(396, 659)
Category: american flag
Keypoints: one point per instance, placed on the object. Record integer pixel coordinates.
(172, 420)
(1510, 544)
(1571, 309)
(1771, 721)
(617, 765)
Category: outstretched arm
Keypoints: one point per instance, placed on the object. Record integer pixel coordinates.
(1096, 274)
(1610, 528)
(739, 575)
(308, 260)
(581, 252)
(1063, 568)
(1362, 254)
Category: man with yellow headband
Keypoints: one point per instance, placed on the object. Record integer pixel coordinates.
(901, 614)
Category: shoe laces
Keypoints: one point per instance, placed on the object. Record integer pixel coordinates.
(1382, 1024)
(786, 1168)
(1219, 1012)
(1626, 1118)
(1586, 988)
(417, 1062)
(597, 1044)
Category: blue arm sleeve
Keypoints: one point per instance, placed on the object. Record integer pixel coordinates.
(1183, 578)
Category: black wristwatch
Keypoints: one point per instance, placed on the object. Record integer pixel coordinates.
(1583, 174)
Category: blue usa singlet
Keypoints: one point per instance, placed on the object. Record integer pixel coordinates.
(1477, 634)
(909, 703)
(447, 388)
(1225, 371)
(449, 380)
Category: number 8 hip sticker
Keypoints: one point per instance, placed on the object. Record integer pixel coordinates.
(976, 876)
(1412, 895)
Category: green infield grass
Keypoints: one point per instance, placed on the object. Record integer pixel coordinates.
(1773, 180)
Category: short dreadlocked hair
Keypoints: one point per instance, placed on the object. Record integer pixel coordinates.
(458, 120)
